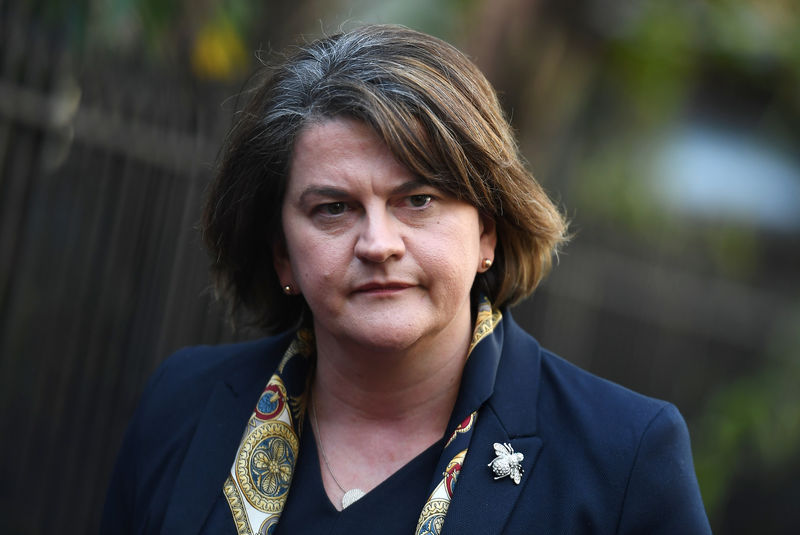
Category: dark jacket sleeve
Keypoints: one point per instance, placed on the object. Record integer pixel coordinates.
(662, 495)
(118, 509)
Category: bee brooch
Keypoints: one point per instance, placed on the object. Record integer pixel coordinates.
(507, 462)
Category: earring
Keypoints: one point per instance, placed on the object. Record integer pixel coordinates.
(487, 263)
(287, 289)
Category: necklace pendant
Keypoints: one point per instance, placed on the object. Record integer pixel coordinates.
(351, 496)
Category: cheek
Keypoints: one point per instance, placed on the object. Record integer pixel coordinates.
(450, 257)
(461, 241)
(318, 260)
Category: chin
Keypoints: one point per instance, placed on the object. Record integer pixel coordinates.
(386, 338)
(382, 333)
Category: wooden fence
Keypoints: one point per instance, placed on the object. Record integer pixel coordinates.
(101, 271)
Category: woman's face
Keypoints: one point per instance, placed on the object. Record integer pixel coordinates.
(382, 259)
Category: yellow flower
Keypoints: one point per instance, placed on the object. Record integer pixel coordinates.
(218, 51)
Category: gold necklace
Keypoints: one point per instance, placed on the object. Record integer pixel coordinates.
(350, 496)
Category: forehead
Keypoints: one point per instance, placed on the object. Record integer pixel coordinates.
(340, 151)
(337, 134)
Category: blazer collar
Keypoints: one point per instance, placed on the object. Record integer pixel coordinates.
(509, 416)
(516, 392)
(219, 430)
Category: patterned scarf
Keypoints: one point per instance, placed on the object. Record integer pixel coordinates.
(259, 480)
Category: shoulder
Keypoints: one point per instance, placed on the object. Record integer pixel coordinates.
(182, 384)
(171, 408)
(571, 395)
(174, 401)
(196, 368)
(623, 457)
(608, 427)
(568, 398)
(631, 453)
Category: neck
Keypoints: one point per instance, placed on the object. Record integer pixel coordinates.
(377, 409)
(390, 387)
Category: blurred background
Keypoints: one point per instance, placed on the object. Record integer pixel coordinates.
(668, 130)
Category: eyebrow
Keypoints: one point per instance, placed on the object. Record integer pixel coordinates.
(321, 191)
(333, 192)
(411, 185)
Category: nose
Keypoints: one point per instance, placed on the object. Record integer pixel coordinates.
(379, 238)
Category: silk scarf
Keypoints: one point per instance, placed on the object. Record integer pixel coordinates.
(258, 483)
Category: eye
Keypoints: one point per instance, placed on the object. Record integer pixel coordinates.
(332, 208)
(420, 200)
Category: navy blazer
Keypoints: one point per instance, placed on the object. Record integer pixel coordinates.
(599, 458)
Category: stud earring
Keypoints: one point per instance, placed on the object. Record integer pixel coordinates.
(487, 263)
(288, 290)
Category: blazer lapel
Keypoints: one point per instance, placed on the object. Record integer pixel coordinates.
(479, 499)
(213, 447)
(481, 502)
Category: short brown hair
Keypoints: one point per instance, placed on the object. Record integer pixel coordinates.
(438, 115)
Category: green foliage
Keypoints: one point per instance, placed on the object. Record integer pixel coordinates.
(157, 16)
(611, 189)
(754, 31)
(734, 251)
(752, 424)
(654, 60)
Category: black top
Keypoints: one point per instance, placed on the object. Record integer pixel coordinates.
(391, 507)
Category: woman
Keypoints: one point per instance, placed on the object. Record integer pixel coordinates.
(371, 205)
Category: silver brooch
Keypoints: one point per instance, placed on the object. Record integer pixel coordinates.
(507, 462)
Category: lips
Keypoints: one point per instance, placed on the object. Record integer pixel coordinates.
(382, 287)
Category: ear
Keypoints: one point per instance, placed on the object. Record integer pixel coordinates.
(488, 241)
(281, 263)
